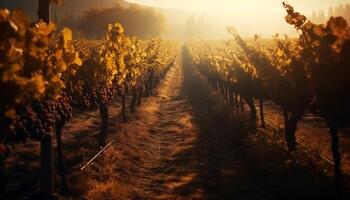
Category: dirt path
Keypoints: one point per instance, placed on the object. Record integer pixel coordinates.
(182, 145)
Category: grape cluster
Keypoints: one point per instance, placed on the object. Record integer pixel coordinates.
(41, 117)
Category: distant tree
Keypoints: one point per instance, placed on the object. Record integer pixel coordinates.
(68, 20)
(321, 17)
(314, 16)
(190, 28)
(340, 10)
(330, 12)
(347, 13)
(138, 21)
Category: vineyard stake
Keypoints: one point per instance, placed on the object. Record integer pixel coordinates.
(47, 184)
(44, 10)
(98, 154)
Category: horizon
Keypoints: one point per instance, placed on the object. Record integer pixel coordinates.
(248, 17)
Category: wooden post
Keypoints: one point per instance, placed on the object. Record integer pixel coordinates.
(124, 106)
(44, 10)
(333, 130)
(103, 107)
(261, 106)
(3, 174)
(133, 100)
(139, 100)
(46, 167)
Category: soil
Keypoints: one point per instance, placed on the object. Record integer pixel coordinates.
(312, 132)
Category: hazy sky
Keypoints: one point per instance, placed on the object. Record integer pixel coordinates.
(205, 5)
(264, 17)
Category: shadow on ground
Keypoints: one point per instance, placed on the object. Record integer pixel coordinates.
(218, 166)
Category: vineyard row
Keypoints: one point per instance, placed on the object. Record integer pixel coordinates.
(309, 73)
(44, 74)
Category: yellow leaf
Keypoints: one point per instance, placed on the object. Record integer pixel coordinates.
(279, 53)
(67, 36)
(78, 60)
